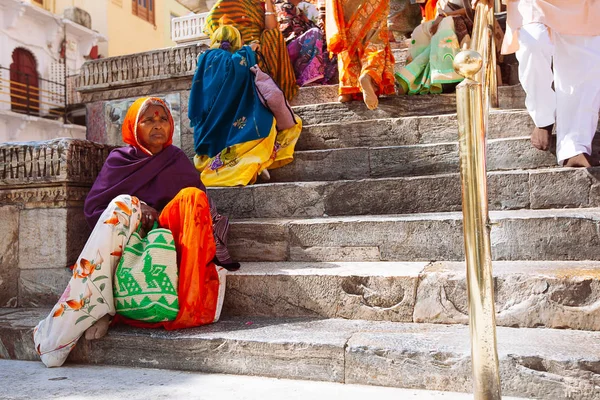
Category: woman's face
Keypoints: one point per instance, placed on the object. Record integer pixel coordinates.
(154, 129)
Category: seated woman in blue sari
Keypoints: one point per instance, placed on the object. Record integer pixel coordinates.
(235, 135)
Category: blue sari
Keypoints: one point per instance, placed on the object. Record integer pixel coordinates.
(224, 108)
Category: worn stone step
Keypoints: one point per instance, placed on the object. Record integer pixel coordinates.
(556, 234)
(405, 131)
(552, 294)
(318, 105)
(535, 189)
(403, 161)
(534, 363)
(389, 107)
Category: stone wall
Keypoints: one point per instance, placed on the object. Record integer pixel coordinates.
(42, 189)
(108, 86)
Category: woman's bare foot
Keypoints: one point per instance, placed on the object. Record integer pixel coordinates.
(99, 329)
(265, 175)
(580, 160)
(345, 98)
(369, 95)
(540, 137)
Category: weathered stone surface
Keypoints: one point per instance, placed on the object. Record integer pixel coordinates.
(138, 69)
(554, 294)
(511, 97)
(9, 256)
(42, 287)
(508, 190)
(535, 363)
(57, 160)
(283, 348)
(389, 107)
(149, 88)
(234, 202)
(332, 164)
(394, 196)
(426, 129)
(268, 242)
(551, 189)
(43, 238)
(409, 160)
(516, 235)
(16, 333)
(368, 291)
(551, 234)
(326, 253)
(315, 95)
(95, 122)
(187, 132)
(52, 195)
(307, 199)
(513, 153)
(414, 160)
(77, 233)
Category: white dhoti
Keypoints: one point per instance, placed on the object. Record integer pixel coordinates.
(575, 102)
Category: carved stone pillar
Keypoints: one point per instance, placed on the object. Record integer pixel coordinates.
(42, 189)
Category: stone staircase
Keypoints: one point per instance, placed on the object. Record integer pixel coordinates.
(352, 262)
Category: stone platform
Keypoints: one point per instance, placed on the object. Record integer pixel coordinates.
(534, 363)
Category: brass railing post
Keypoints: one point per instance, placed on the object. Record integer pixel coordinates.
(472, 111)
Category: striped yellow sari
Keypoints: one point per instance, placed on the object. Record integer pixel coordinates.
(248, 16)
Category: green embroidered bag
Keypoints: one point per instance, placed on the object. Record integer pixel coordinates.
(145, 287)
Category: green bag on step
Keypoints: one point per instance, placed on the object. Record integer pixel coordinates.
(145, 286)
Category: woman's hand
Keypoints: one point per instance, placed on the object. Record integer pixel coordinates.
(255, 46)
(149, 215)
(435, 25)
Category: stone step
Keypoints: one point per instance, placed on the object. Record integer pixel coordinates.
(389, 107)
(406, 131)
(556, 234)
(535, 189)
(318, 104)
(534, 363)
(402, 161)
(552, 294)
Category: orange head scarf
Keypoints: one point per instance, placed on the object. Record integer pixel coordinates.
(129, 129)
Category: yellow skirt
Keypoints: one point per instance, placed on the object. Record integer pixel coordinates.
(239, 165)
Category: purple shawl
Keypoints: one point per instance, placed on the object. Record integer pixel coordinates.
(153, 179)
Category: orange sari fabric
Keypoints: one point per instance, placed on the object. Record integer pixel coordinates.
(357, 31)
(188, 217)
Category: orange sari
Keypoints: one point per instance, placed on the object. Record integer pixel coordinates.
(357, 31)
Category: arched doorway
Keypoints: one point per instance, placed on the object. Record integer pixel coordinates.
(24, 83)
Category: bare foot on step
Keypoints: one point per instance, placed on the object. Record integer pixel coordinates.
(369, 95)
(265, 175)
(345, 98)
(99, 329)
(580, 160)
(540, 137)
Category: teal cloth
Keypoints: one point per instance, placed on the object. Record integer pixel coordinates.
(432, 59)
(224, 109)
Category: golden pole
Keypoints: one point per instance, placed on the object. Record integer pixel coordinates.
(483, 43)
(482, 316)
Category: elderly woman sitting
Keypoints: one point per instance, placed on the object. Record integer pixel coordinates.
(150, 180)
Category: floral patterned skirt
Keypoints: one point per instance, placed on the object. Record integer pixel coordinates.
(240, 164)
(89, 294)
